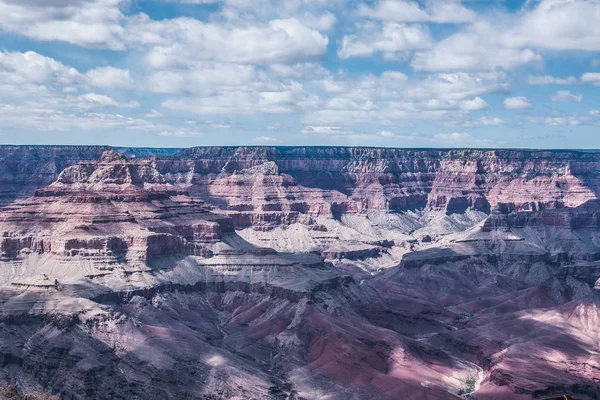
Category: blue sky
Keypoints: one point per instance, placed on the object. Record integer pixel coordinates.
(399, 73)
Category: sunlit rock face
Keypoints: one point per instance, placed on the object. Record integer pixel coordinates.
(299, 273)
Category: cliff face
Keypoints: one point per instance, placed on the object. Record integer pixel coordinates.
(349, 180)
(299, 273)
(23, 169)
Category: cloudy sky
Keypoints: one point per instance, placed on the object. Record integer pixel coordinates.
(401, 73)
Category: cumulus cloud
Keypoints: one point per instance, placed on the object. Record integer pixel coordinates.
(517, 103)
(266, 139)
(564, 120)
(95, 100)
(503, 41)
(154, 114)
(204, 77)
(390, 39)
(558, 25)
(181, 133)
(476, 122)
(411, 11)
(338, 132)
(392, 98)
(110, 77)
(288, 99)
(33, 68)
(565, 96)
(46, 119)
(299, 71)
(328, 130)
(474, 104)
(87, 23)
(461, 139)
(592, 78)
(551, 80)
(178, 43)
(479, 47)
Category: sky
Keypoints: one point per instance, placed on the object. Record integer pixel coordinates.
(392, 73)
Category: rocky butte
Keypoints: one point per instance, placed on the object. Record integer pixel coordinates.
(299, 273)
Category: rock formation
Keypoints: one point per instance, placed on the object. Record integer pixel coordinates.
(299, 273)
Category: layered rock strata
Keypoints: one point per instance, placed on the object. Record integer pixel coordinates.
(300, 273)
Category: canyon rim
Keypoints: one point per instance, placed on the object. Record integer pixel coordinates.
(299, 273)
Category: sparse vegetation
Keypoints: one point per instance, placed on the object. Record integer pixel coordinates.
(464, 316)
(470, 384)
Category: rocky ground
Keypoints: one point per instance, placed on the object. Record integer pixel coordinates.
(299, 273)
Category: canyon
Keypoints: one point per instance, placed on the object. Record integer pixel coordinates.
(299, 273)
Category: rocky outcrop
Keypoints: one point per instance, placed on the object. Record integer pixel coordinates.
(111, 210)
(23, 169)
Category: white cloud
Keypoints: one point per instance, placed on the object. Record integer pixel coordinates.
(35, 80)
(87, 23)
(95, 100)
(181, 133)
(321, 22)
(338, 132)
(551, 80)
(517, 103)
(33, 68)
(570, 120)
(479, 47)
(289, 98)
(225, 88)
(299, 71)
(474, 104)
(205, 77)
(90, 100)
(221, 126)
(508, 41)
(410, 11)
(316, 14)
(180, 42)
(591, 78)
(565, 96)
(266, 139)
(455, 139)
(327, 130)
(154, 114)
(558, 25)
(110, 77)
(476, 123)
(393, 40)
(50, 120)
(392, 98)
(459, 86)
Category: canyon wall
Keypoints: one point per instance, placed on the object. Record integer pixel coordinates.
(299, 273)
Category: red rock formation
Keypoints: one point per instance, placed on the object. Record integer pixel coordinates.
(113, 208)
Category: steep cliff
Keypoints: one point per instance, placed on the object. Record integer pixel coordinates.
(23, 169)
